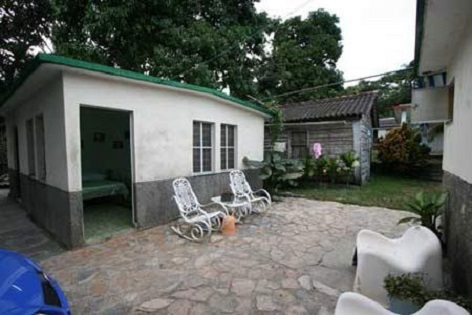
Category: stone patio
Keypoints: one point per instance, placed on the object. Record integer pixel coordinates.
(293, 259)
(18, 233)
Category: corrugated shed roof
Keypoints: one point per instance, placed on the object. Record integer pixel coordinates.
(330, 108)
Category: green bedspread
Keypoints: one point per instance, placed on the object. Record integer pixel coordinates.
(103, 188)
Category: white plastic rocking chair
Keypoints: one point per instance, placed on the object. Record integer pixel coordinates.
(259, 199)
(351, 303)
(195, 222)
(418, 251)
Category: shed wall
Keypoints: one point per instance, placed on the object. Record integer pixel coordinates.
(335, 137)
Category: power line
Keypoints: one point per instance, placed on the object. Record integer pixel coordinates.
(224, 52)
(333, 84)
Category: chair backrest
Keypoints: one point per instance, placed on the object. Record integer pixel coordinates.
(441, 307)
(185, 197)
(239, 184)
(419, 238)
(350, 303)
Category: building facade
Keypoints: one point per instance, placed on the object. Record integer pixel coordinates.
(71, 119)
(444, 54)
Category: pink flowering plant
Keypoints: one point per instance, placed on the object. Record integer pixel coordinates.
(317, 150)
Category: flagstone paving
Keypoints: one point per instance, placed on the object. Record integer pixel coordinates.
(18, 233)
(293, 259)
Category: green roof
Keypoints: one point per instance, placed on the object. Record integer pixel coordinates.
(420, 12)
(75, 63)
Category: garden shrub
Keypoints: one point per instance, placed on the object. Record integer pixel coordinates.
(402, 151)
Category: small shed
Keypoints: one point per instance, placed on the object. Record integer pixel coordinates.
(340, 124)
(81, 135)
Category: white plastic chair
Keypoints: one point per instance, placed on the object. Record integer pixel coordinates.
(259, 199)
(351, 303)
(195, 223)
(417, 251)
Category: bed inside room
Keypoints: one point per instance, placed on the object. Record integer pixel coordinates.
(106, 172)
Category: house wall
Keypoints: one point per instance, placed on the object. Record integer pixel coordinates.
(47, 201)
(457, 148)
(430, 104)
(458, 167)
(163, 128)
(162, 136)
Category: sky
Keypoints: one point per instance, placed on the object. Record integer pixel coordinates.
(378, 35)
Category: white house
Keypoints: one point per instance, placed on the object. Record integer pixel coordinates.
(79, 130)
(444, 60)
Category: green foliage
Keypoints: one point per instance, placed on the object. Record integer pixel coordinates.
(333, 168)
(213, 43)
(276, 124)
(305, 53)
(407, 287)
(321, 167)
(349, 161)
(429, 207)
(309, 167)
(168, 38)
(410, 287)
(381, 191)
(402, 151)
(393, 88)
(277, 172)
(23, 26)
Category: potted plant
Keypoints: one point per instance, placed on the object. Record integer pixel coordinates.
(406, 293)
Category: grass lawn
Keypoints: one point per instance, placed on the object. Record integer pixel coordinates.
(381, 191)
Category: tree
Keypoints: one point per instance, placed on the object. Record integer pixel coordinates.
(167, 38)
(394, 89)
(304, 55)
(24, 25)
(402, 151)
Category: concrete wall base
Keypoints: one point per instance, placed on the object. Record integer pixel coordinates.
(61, 213)
(458, 231)
(155, 204)
(57, 211)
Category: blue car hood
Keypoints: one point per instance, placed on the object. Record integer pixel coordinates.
(20, 286)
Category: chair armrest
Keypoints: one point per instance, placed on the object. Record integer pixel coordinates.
(265, 192)
(222, 207)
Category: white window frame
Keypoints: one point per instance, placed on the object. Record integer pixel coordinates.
(201, 147)
(227, 147)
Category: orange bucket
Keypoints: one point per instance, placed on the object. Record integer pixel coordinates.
(229, 225)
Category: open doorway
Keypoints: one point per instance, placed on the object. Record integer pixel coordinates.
(106, 172)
